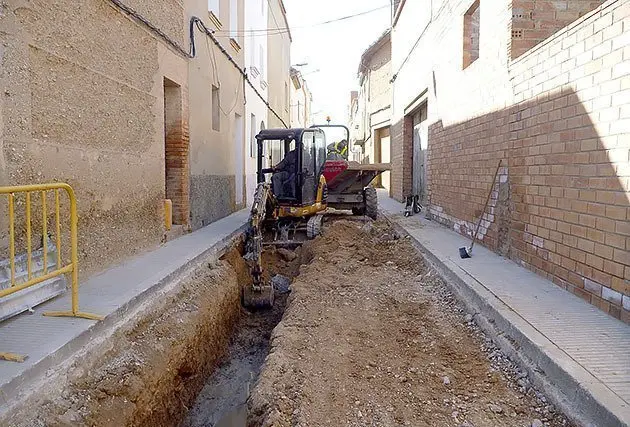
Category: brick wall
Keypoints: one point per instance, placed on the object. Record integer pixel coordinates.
(177, 140)
(401, 158)
(535, 20)
(565, 144)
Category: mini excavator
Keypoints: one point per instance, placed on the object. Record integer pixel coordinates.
(299, 177)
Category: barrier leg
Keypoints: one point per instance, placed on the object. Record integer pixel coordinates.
(12, 357)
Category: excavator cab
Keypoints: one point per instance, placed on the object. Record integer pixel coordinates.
(296, 179)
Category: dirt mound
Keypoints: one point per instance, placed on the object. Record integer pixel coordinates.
(369, 339)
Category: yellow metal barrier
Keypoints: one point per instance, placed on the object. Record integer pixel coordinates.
(71, 267)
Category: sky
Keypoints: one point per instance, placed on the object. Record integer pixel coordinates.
(334, 49)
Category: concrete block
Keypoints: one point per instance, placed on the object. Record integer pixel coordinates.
(611, 295)
(593, 287)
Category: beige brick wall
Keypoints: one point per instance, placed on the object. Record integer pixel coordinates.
(535, 20)
(562, 208)
(380, 74)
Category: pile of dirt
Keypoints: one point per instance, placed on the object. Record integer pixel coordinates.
(153, 368)
(368, 339)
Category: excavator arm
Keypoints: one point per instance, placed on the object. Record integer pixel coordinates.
(259, 294)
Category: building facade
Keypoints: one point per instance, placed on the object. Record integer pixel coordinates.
(217, 113)
(101, 96)
(256, 18)
(371, 108)
(301, 100)
(279, 60)
(542, 87)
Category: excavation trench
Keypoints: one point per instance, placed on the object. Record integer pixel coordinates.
(223, 400)
(369, 335)
(188, 359)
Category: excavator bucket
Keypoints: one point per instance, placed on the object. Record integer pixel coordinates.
(258, 298)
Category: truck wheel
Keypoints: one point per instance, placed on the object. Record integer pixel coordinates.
(371, 202)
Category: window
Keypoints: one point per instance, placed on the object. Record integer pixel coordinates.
(471, 34)
(252, 136)
(216, 109)
(213, 6)
(234, 19)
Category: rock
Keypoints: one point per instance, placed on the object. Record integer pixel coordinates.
(455, 414)
(495, 408)
(281, 283)
(466, 424)
(446, 380)
(287, 255)
(537, 423)
(468, 318)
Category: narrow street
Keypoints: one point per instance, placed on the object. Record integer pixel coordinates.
(290, 213)
(369, 335)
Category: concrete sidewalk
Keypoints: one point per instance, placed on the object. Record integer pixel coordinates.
(49, 342)
(577, 354)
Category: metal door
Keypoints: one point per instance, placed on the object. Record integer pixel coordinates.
(420, 135)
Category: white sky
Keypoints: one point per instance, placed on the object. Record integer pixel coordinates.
(335, 49)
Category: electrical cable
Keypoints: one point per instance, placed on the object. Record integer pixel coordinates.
(238, 90)
(432, 17)
(196, 22)
(154, 29)
(192, 52)
(286, 29)
(273, 15)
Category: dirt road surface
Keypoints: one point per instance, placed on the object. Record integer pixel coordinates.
(372, 337)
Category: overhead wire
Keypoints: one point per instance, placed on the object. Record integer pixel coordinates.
(197, 23)
(287, 29)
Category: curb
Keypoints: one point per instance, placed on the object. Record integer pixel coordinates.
(582, 397)
(16, 392)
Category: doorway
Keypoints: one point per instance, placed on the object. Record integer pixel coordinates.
(382, 155)
(176, 152)
(420, 146)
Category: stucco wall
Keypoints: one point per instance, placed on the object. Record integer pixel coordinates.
(213, 155)
(279, 62)
(82, 104)
(374, 97)
(255, 19)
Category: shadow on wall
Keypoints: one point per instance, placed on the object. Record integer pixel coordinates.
(561, 207)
